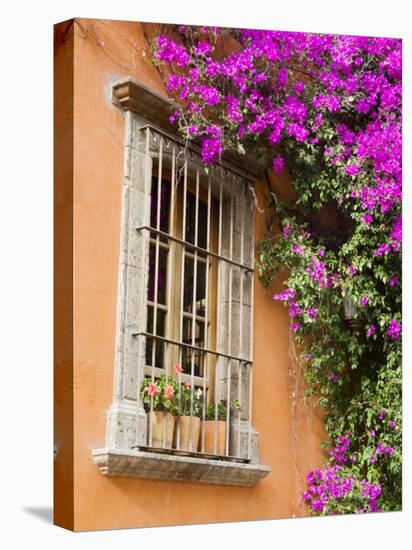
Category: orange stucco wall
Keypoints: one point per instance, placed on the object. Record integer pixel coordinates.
(290, 429)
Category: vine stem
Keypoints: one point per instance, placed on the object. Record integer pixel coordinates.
(297, 397)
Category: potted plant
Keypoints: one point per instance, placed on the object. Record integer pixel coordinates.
(160, 403)
(189, 407)
(215, 426)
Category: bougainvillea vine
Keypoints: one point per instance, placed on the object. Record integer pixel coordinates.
(328, 109)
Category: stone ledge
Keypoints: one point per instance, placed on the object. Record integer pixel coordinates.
(132, 463)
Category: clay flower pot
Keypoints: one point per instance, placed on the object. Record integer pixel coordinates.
(163, 424)
(211, 427)
(184, 433)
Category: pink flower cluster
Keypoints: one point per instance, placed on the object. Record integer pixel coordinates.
(372, 492)
(172, 52)
(318, 272)
(326, 485)
(394, 329)
(285, 295)
(340, 450)
(329, 486)
(211, 149)
(371, 330)
(364, 300)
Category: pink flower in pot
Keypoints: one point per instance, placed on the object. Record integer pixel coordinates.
(169, 392)
(152, 389)
(178, 369)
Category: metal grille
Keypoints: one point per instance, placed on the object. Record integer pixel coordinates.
(196, 255)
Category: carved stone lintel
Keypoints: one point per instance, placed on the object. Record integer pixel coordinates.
(134, 96)
(131, 95)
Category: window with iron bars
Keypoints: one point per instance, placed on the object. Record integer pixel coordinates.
(184, 309)
(195, 318)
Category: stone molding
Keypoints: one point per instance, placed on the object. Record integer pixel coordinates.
(131, 95)
(114, 462)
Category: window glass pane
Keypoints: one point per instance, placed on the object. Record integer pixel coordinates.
(161, 275)
(200, 286)
(191, 219)
(199, 341)
(161, 319)
(164, 204)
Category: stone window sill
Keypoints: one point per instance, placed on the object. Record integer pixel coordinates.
(150, 465)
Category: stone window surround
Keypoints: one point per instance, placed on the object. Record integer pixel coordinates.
(125, 427)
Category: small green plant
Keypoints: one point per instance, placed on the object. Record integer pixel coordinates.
(189, 401)
(221, 409)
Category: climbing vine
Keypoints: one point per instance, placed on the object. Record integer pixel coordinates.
(329, 109)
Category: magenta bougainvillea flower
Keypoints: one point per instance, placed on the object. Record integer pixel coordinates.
(287, 294)
(278, 164)
(394, 329)
(364, 300)
(394, 281)
(371, 330)
(297, 249)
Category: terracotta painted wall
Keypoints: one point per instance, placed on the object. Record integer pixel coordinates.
(63, 277)
(290, 429)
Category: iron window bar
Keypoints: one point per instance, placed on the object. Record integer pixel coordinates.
(194, 247)
(156, 289)
(190, 346)
(146, 238)
(182, 276)
(206, 310)
(155, 132)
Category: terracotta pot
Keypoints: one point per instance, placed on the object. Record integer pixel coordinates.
(163, 424)
(210, 427)
(184, 431)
